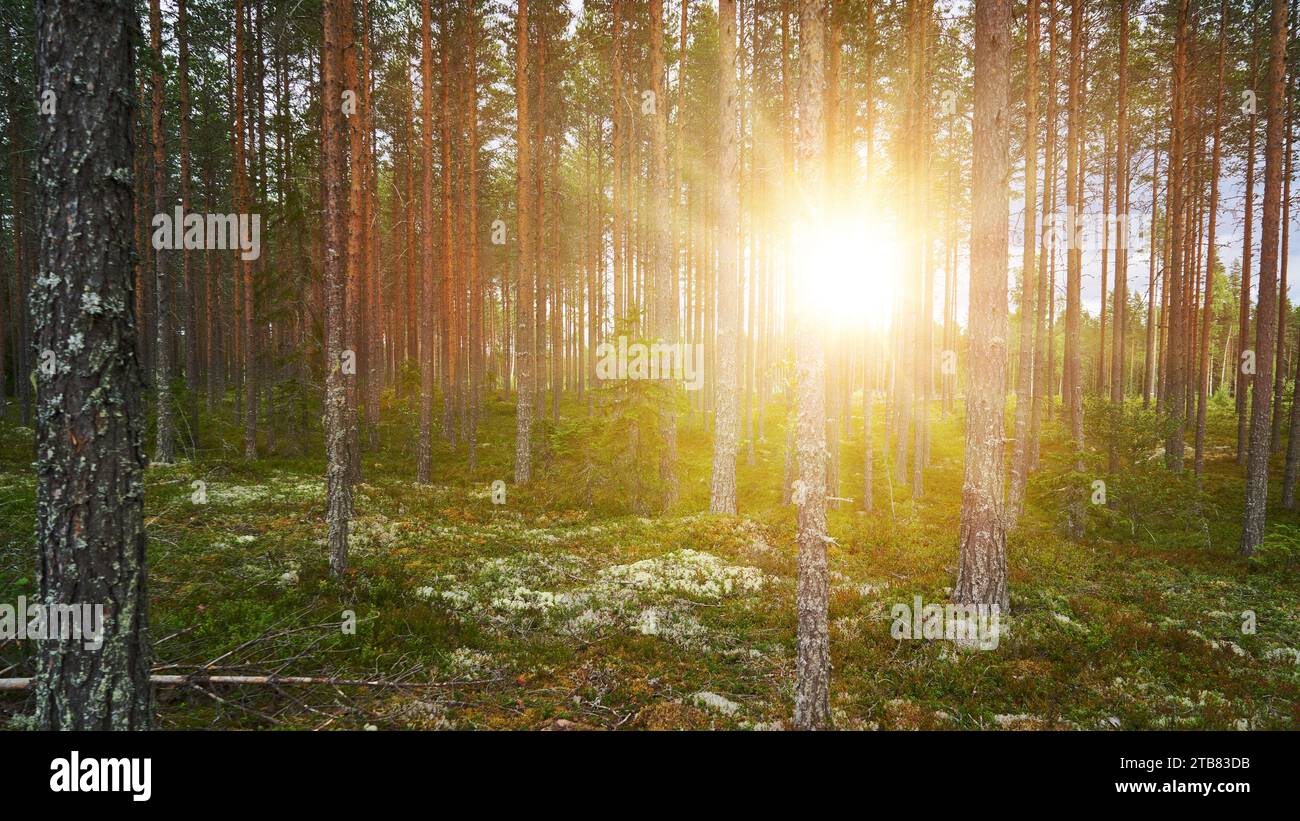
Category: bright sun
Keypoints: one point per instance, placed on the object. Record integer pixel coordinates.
(851, 267)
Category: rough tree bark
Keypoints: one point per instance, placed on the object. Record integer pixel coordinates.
(334, 150)
(1043, 345)
(664, 254)
(1202, 387)
(1176, 352)
(1072, 390)
(475, 283)
(354, 123)
(189, 291)
(243, 267)
(424, 458)
(982, 565)
(812, 662)
(1243, 309)
(447, 312)
(1028, 275)
(524, 187)
(165, 445)
(1252, 534)
(726, 434)
(89, 419)
(1119, 310)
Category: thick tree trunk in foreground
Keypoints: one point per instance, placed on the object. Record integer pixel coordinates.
(90, 464)
(726, 434)
(1252, 534)
(812, 663)
(982, 566)
(526, 342)
(333, 148)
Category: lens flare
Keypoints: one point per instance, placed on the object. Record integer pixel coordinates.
(849, 270)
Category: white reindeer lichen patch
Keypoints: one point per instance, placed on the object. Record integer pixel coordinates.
(560, 593)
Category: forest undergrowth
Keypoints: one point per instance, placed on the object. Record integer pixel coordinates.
(567, 605)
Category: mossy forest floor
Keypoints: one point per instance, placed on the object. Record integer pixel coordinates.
(549, 612)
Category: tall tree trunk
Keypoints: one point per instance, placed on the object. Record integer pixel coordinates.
(447, 313)
(1252, 534)
(190, 293)
(1072, 392)
(1150, 368)
(1102, 371)
(617, 139)
(923, 322)
(475, 282)
(89, 418)
(1243, 308)
(812, 662)
(243, 267)
(373, 309)
(1207, 320)
(334, 154)
(1119, 309)
(726, 434)
(424, 459)
(982, 563)
(1044, 345)
(1176, 355)
(1028, 275)
(412, 309)
(165, 446)
(664, 256)
(868, 361)
(526, 342)
(1283, 311)
(356, 238)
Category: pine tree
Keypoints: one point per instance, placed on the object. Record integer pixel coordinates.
(338, 487)
(525, 188)
(89, 409)
(1266, 326)
(812, 660)
(1203, 382)
(165, 448)
(982, 563)
(424, 458)
(1028, 275)
(726, 434)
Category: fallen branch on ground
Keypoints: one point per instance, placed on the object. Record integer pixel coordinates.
(21, 684)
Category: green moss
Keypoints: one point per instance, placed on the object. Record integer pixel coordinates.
(1137, 624)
